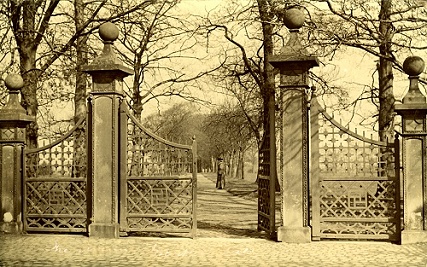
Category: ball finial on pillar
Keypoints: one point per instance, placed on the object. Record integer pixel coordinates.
(14, 82)
(294, 18)
(108, 32)
(413, 65)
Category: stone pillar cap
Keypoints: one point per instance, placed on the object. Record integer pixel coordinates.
(414, 100)
(413, 65)
(293, 52)
(14, 82)
(293, 18)
(13, 111)
(108, 60)
(108, 32)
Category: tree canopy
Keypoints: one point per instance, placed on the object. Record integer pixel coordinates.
(173, 49)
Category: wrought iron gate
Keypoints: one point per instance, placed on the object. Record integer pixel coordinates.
(158, 181)
(55, 184)
(267, 179)
(354, 183)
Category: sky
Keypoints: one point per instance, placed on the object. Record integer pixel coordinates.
(353, 68)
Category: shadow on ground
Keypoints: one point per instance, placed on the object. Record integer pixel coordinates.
(228, 213)
(215, 230)
(245, 188)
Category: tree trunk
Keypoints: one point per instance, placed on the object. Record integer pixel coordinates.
(137, 98)
(80, 96)
(230, 164)
(240, 164)
(27, 52)
(268, 88)
(385, 74)
(82, 59)
(255, 163)
(213, 165)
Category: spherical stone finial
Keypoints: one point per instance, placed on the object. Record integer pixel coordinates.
(413, 65)
(294, 18)
(108, 32)
(14, 82)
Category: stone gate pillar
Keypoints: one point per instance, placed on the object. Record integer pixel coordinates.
(294, 64)
(414, 131)
(13, 120)
(103, 136)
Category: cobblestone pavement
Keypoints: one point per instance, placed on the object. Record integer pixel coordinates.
(220, 242)
(55, 250)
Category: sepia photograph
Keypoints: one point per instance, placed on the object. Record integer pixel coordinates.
(213, 133)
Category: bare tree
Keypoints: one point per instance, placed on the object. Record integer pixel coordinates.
(229, 136)
(248, 70)
(160, 44)
(384, 29)
(41, 31)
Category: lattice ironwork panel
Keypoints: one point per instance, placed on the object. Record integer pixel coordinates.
(358, 199)
(342, 154)
(264, 211)
(264, 157)
(160, 182)
(55, 184)
(265, 208)
(147, 156)
(160, 204)
(359, 230)
(358, 185)
(53, 205)
(66, 157)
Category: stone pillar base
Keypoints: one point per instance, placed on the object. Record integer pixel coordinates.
(11, 228)
(413, 236)
(294, 234)
(104, 230)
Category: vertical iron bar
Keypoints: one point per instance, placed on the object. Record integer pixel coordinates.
(18, 185)
(314, 170)
(194, 188)
(424, 179)
(89, 178)
(123, 118)
(24, 189)
(398, 216)
(273, 171)
(306, 162)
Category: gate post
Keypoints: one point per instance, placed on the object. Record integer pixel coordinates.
(294, 64)
(414, 131)
(103, 136)
(13, 120)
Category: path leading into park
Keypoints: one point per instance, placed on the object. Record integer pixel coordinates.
(223, 214)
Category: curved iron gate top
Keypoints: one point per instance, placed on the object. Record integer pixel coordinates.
(55, 184)
(355, 183)
(158, 181)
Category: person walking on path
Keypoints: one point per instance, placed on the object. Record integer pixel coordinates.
(220, 180)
